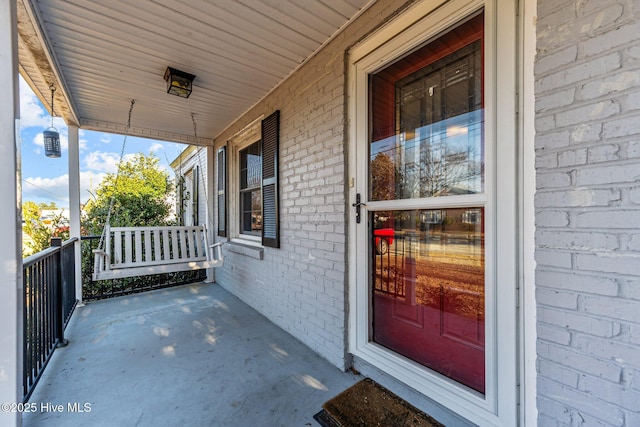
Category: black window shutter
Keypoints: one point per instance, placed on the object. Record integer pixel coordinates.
(195, 218)
(222, 193)
(270, 148)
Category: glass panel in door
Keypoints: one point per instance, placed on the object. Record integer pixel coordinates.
(427, 270)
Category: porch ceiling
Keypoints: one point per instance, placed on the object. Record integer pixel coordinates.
(100, 55)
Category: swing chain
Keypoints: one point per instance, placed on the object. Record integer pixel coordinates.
(195, 133)
(115, 183)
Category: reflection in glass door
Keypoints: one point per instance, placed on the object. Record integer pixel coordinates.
(428, 289)
(426, 150)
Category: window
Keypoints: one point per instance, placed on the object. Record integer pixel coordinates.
(251, 189)
(222, 196)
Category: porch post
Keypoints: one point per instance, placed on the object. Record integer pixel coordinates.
(10, 215)
(211, 194)
(74, 202)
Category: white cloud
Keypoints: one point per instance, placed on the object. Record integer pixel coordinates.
(156, 147)
(106, 162)
(37, 188)
(57, 189)
(31, 112)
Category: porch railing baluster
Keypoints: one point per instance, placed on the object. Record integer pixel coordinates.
(49, 299)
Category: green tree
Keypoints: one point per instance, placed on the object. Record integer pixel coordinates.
(140, 193)
(40, 234)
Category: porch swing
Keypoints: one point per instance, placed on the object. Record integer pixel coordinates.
(139, 251)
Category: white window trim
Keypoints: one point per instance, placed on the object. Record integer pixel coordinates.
(241, 140)
(499, 405)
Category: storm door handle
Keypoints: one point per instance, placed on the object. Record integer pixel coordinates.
(357, 205)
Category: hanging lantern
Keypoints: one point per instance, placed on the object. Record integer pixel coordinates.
(52, 143)
(51, 135)
(178, 82)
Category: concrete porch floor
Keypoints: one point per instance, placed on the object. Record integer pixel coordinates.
(188, 356)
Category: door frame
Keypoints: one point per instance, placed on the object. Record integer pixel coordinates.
(419, 23)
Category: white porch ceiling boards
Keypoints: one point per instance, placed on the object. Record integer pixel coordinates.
(107, 52)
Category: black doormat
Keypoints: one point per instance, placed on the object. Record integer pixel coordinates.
(366, 404)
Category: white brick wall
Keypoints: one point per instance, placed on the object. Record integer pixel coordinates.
(302, 286)
(588, 212)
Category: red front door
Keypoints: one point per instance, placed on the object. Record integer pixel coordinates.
(426, 154)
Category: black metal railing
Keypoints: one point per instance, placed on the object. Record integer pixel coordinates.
(49, 301)
(101, 289)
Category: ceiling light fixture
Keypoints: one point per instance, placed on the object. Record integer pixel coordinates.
(178, 82)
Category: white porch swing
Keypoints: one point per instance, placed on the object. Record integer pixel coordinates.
(138, 251)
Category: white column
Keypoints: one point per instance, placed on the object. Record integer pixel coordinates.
(74, 201)
(10, 215)
(211, 194)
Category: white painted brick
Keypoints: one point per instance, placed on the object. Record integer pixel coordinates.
(572, 157)
(634, 52)
(579, 72)
(552, 334)
(621, 219)
(575, 240)
(621, 353)
(613, 308)
(632, 418)
(604, 16)
(581, 402)
(634, 195)
(577, 198)
(632, 101)
(620, 128)
(603, 153)
(553, 180)
(586, 132)
(571, 358)
(545, 123)
(634, 242)
(555, 298)
(573, 281)
(610, 84)
(607, 42)
(561, 374)
(611, 392)
(556, 60)
(613, 174)
(609, 263)
(552, 218)
(598, 111)
(568, 320)
(553, 140)
(547, 10)
(546, 161)
(553, 258)
(551, 413)
(548, 421)
(556, 100)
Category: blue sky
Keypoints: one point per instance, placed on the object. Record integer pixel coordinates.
(47, 180)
